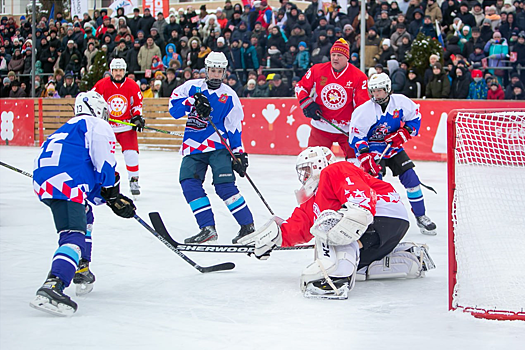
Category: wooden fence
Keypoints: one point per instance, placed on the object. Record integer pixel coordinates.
(57, 111)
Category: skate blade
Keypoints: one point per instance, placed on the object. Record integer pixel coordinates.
(314, 294)
(83, 288)
(428, 232)
(45, 304)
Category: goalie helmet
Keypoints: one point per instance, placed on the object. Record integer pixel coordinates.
(379, 81)
(93, 104)
(311, 161)
(215, 60)
(118, 63)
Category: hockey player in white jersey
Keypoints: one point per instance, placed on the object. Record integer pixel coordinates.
(206, 102)
(389, 119)
(76, 164)
(357, 221)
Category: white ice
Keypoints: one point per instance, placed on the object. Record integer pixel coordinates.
(146, 297)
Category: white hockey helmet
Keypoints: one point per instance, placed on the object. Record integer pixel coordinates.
(379, 81)
(91, 103)
(215, 60)
(118, 63)
(311, 161)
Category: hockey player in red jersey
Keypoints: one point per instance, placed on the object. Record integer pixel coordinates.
(125, 103)
(357, 221)
(332, 90)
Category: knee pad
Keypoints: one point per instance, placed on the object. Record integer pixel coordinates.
(192, 189)
(226, 190)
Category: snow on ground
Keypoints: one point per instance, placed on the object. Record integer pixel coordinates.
(146, 297)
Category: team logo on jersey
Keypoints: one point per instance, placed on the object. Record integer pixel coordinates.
(223, 98)
(348, 84)
(396, 114)
(334, 96)
(379, 133)
(323, 81)
(118, 105)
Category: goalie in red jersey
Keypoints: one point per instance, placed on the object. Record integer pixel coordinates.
(332, 90)
(125, 104)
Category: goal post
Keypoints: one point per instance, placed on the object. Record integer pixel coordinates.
(486, 207)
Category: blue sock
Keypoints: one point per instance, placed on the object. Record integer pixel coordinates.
(231, 196)
(198, 201)
(411, 182)
(66, 257)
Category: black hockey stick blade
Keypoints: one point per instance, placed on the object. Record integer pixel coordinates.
(172, 245)
(159, 226)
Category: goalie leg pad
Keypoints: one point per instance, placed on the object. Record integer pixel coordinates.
(400, 264)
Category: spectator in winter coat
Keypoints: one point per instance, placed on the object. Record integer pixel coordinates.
(234, 83)
(413, 87)
(486, 31)
(433, 59)
(387, 54)
(514, 79)
(302, 60)
(428, 27)
(439, 85)
(478, 55)
(249, 59)
(17, 62)
(89, 54)
(289, 57)
(16, 91)
(321, 49)
(372, 48)
(249, 89)
(262, 89)
(471, 43)
(396, 40)
(146, 54)
(433, 11)
(132, 58)
(403, 48)
(466, 17)
(49, 58)
(383, 25)
(398, 75)
(278, 88)
(169, 84)
(518, 92)
(298, 35)
(70, 88)
(478, 88)
(146, 22)
(276, 38)
(120, 51)
(495, 91)
(461, 84)
(497, 50)
(417, 22)
(171, 54)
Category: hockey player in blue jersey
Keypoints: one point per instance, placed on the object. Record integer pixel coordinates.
(389, 119)
(76, 164)
(205, 101)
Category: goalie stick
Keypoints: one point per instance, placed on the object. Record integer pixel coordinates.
(165, 238)
(159, 226)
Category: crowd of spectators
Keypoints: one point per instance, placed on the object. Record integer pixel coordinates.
(269, 49)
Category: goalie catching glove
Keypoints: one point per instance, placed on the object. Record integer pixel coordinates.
(120, 204)
(265, 239)
(342, 227)
(202, 105)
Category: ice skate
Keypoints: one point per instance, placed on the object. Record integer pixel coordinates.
(208, 234)
(427, 226)
(50, 298)
(84, 278)
(245, 230)
(321, 289)
(134, 186)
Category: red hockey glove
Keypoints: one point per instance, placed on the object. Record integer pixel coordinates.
(399, 137)
(368, 164)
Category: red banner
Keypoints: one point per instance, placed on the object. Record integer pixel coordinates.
(17, 122)
(155, 7)
(278, 126)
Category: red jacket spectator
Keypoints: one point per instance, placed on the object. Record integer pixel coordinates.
(495, 92)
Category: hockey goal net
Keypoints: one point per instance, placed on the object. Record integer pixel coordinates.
(486, 181)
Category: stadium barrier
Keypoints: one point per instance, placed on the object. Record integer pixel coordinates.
(270, 126)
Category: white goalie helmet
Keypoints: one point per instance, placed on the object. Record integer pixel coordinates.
(379, 81)
(91, 103)
(118, 63)
(311, 161)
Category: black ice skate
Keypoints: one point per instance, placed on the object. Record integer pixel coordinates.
(426, 226)
(84, 278)
(134, 186)
(208, 234)
(51, 298)
(321, 289)
(245, 230)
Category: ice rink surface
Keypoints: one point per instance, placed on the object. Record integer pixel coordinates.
(146, 297)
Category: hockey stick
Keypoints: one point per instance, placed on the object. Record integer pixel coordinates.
(165, 238)
(159, 226)
(223, 141)
(332, 124)
(174, 133)
(16, 169)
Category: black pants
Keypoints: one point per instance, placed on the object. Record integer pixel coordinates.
(381, 238)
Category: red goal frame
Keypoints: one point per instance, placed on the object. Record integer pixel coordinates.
(452, 263)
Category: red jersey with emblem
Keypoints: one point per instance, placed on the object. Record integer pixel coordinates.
(338, 94)
(124, 100)
(339, 183)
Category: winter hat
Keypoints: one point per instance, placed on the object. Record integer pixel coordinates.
(261, 78)
(143, 81)
(348, 26)
(252, 81)
(341, 46)
(302, 43)
(220, 40)
(437, 65)
(203, 70)
(6, 80)
(386, 42)
(355, 54)
(476, 73)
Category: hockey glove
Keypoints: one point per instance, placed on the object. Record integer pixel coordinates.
(139, 123)
(368, 164)
(240, 163)
(399, 137)
(202, 105)
(120, 204)
(311, 109)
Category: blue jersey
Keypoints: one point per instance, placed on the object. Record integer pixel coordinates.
(370, 125)
(76, 161)
(226, 114)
